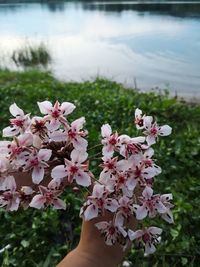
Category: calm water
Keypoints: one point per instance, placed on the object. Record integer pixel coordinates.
(151, 43)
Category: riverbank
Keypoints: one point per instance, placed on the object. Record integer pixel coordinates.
(42, 238)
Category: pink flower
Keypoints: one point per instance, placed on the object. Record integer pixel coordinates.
(74, 135)
(19, 144)
(26, 193)
(37, 162)
(129, 146)
(152, 130)
(150, 237)
(109, 141)
(151, 205)
(47, 197)
(111, 166)
(142, 167)
(139, 119)
(98, 202)
(167, 216)
(112, 231)
(10, 198)
(19, 124)
(7, 182)
(125, 206)
(76, 169)
(55, 114)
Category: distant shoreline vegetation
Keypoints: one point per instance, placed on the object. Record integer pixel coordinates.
(177, 8)
(31, 56)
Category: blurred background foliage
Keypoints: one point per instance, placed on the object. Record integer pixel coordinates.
(42, 238)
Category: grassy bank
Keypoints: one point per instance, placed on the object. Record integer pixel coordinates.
(43, 238)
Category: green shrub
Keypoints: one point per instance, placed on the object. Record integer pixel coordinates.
(43, 238)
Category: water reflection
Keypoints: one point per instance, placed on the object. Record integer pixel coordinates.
(174, 8)
(158, 44)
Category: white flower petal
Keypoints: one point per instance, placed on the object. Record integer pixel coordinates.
(90, 212)
(147, 192)
(14, 204)
(59, 172)
(141, 212)
(37, 175)
(102, 225)
(58, 136)
(45, 107)
(59, 204)
(112, 205)
(16, 111)
(106, 130)
(53, 125)
(134, 234)
(10, 131)
(139, 139)
(77, 125)
(44, 154)
(168, 217)
(165, 130)
(83, 178)
(38, 202)
(138, 113)
(25, 139)
(154, 230)
(149, 249)
(78, 156)
(98, 190)
(150, 140)
(80, 143)
(148, 122)
(67, 108)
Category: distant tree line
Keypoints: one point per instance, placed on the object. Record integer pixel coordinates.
(175, 9)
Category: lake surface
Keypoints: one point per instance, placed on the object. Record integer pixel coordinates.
(147, 44)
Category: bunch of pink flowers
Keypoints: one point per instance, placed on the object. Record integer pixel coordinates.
(53, 152)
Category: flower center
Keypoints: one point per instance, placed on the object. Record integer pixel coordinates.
(73, 169)
(153, 131)
(55, 113)
(7, 196)
(146, 237)
(113, 141)
(71, 134)
(17, 122)
(34, 162)
(137, 172)
(111, 230)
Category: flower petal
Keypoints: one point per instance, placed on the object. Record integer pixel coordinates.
(83, 178)
(67, 108)
(44, 154)
(141, 212)
(53, 125)
(38, 202)
(59, 204)
(106, 130)
(80, 143)
(90, 212)
(164, 130)
(59, 172)
(16, 111)
(77, 125)
(10, 131)
(134, 234)
(45, 107)
(78, 156)
(37, 174)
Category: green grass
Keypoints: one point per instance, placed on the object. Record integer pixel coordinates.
(43, 238)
